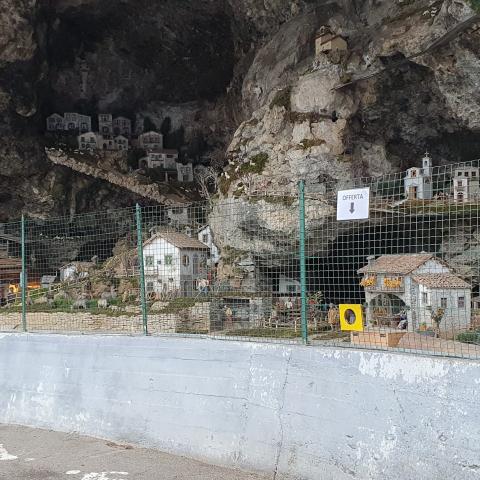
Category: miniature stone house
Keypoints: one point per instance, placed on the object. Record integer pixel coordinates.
(105, 124)
(466, 184)
(55, 122)
(163, 158)
(88, 141)
(174, 262)
(326, 41)
(121, 143)
(418, 181)
(179, 216)
(77, 122)
(122, 126)
(184, 172)
(418, 284)
(151, 141)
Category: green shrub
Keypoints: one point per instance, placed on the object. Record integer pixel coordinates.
(469, 337)
(475, 4)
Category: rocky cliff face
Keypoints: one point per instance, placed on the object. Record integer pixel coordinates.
(241, 69)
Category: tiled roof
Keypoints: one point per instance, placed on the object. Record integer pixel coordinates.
(440, 280)
(179, 240)
(401, 264)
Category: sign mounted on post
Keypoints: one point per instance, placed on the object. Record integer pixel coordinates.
(353, 204)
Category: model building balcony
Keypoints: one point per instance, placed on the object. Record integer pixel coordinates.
(373, 283)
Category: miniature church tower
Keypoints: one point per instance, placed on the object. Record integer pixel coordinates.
(418, 182)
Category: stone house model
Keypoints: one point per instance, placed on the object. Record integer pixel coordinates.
(466, 184)
(91, 141)
(150, 141)
(105, 124)
(326, 41)
(418, 181)
(174, 263)
(418, 284)
(122, 126)
(72, 122)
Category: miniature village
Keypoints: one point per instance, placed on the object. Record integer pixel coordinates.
(116, 135)
(411, 300)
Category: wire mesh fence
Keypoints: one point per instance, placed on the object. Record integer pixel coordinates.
(405, 276)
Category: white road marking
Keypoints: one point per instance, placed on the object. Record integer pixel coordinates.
(4, 455)
(97, 476)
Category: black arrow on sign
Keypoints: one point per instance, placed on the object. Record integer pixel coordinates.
(352, 207)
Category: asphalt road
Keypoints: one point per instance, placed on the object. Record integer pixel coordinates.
(30, 454)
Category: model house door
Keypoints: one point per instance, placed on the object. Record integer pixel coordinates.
(413, 192)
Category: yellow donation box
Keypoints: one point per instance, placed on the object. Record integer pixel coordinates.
(351, 318)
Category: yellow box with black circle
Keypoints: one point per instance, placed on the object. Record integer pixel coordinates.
(351, 318)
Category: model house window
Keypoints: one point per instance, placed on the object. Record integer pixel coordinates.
(170, 280)
(150, 287)
(168, 259)
(424, 298)
(205, 238)
(461, 302)
(185, 260)
(159, 262)
(459, 174)
(466, 174)
(292, 288)
(443, 302)
(474, 174)
(149, 261)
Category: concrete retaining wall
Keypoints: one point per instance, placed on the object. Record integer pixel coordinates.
(310, 413)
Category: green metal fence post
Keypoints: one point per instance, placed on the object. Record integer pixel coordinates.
(23, 278)
(143, 297)
(303, 268)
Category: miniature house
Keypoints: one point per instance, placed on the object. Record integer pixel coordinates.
(77, 122)
(150, 141)
(205, 235)
(418, 181)
(88, 141)
(122, 126)
(184, 172)
(105, 124)
(466, 185)
(326, 41)
(418, 284)
(163, 158)
(174, 262)
(288, 286)
(121, 143)
(55, 123)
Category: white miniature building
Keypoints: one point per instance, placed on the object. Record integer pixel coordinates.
(205, 235)
(326, 41)
(418, 181)
(184, 172)
(288, 286)
(106, 142)
(77, 122)
(174, 262)
(418, 284)
(88, 141)
(122, 126)
(105, 124)
(121, 143)
(163, 158)
(466, 184)
(55, 122)
(151, 141)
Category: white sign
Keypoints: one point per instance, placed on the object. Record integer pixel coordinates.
(353, 204)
